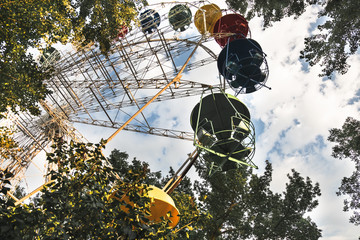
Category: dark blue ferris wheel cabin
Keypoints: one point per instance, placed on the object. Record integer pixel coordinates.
(149, 20)
(242, 63)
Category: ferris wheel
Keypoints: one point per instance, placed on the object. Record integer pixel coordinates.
(147, 63)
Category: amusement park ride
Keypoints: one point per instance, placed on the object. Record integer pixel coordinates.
(145, 65)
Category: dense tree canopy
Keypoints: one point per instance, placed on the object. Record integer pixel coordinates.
(243, 206)
(239, 204)
(193, 216)
(339, 34)
(232, 205)
(38, 23)
(347, 140)
(77, 204)
(8, 151)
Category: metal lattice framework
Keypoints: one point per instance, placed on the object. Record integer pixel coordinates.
(91, 88)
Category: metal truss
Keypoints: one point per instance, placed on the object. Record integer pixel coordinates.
(34, 134)
(104, 90)
(138, 128)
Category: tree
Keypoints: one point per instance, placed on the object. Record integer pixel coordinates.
(242, 206)
(8, 147)
(192, 215)
(231, 205)
(119, 162)
(339, 35)
(8, 152)
(32, 23)
(238, 204)
(347, 140)
(77, 204)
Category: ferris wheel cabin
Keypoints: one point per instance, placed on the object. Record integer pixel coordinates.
(242, 63)
(180, 17)
(223, 131)
(230, 27)
(206, 17)
(149, 20)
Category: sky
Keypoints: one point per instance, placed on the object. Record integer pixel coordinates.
(292, 120)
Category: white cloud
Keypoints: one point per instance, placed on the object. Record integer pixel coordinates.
(298, 113)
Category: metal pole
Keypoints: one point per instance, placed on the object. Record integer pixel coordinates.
(175, 182)
(33, 192)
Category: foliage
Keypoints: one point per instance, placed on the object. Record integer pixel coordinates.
(99, 21)
(119, 162)
(242, 206)
(8, 147)
(231, 205)
(239, 204)
(8, 152)
(23, 25)
(339, 35)
(29, 24)
(192, 216)
(270, 11)
(347, 146)
(21, 84)
(76, 205)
